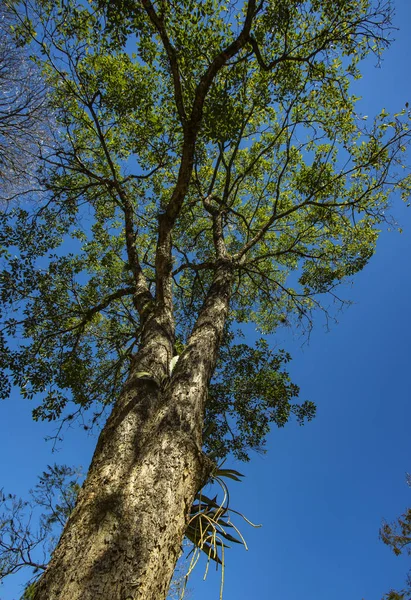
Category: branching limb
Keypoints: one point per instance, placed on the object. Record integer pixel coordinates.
(218, 233)
(377, 183)
(210, 265)
(158, 22)
(167, 219)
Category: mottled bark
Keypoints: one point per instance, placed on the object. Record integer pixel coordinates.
(124, 536)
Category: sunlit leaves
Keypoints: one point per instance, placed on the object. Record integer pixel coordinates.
(251, 391)
(298, 181)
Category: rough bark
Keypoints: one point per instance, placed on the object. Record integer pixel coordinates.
(124, 536)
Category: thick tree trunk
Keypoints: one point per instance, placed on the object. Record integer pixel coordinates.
(124, 536)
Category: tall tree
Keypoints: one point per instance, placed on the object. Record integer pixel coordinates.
(211, 171)
(29, 529)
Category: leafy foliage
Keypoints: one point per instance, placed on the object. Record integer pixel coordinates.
(249, 392)
(397, 536)
(286, 176)
(22, 546)
(191, 135)
(210, 526)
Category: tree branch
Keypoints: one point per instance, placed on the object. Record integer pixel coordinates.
(218, 233)
(167, 219)
(158, 23)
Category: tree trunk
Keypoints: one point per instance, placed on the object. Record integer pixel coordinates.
(124, 536)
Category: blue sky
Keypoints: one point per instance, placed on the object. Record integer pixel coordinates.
(322, 490)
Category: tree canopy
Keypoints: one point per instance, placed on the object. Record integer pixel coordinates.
(204, 153)
(288, 182)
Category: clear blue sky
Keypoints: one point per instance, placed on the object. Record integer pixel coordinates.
(322, 490)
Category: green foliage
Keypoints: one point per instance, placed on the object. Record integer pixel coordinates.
(210, 527)
(21, 545)
(397, 536)
(231, 123)
(236, 120)
(249, 392)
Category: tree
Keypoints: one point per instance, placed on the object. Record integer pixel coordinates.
(55, 494)
(211, 171)
(21, 542)
(397, 535)
(24, 114)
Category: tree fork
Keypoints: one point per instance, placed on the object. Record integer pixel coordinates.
(124, 536)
